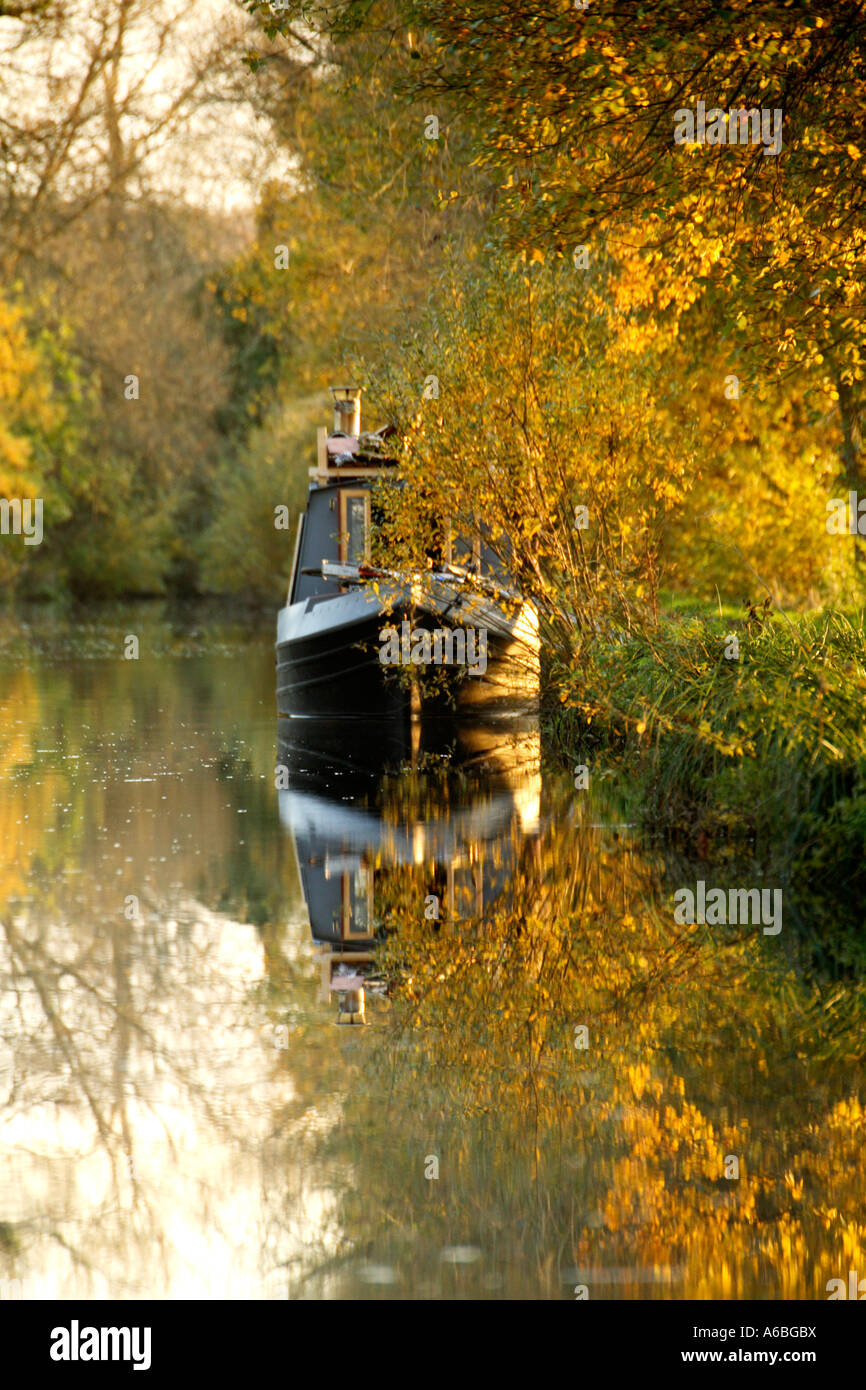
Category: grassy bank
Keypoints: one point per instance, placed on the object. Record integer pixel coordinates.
(764, 751)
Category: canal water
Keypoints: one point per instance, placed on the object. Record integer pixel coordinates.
(559, 1091)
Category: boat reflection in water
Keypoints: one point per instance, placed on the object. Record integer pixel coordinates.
(431, 811)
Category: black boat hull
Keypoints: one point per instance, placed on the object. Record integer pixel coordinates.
(330, 654)
(323, 678)
(337, 673)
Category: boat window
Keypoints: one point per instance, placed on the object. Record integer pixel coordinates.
(354, 526)
(476, 545)
(357, 903)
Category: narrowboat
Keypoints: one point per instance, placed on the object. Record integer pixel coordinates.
(352, 638)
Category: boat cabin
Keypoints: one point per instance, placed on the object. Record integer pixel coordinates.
(337, 523)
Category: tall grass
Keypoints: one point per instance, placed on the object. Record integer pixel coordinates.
(767, 749)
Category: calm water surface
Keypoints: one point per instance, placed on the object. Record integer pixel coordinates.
(554, 1078)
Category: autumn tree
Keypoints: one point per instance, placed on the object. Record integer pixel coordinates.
(582, 131)
(105, 113)
(740, 262)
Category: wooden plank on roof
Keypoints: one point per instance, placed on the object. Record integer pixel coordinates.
(350, 470)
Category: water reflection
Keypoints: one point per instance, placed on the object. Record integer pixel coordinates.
(574, 1092)
(556, 1073)
(434, 809)
(148, 908)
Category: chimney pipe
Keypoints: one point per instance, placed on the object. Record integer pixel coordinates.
(347, 409)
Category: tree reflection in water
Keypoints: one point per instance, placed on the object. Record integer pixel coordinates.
(602, 1165)
(180, 1116)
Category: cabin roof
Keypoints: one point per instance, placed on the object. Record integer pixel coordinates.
(342, 444)
(350, 454)
(365, 446)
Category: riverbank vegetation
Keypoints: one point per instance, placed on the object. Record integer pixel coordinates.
(760, 756)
